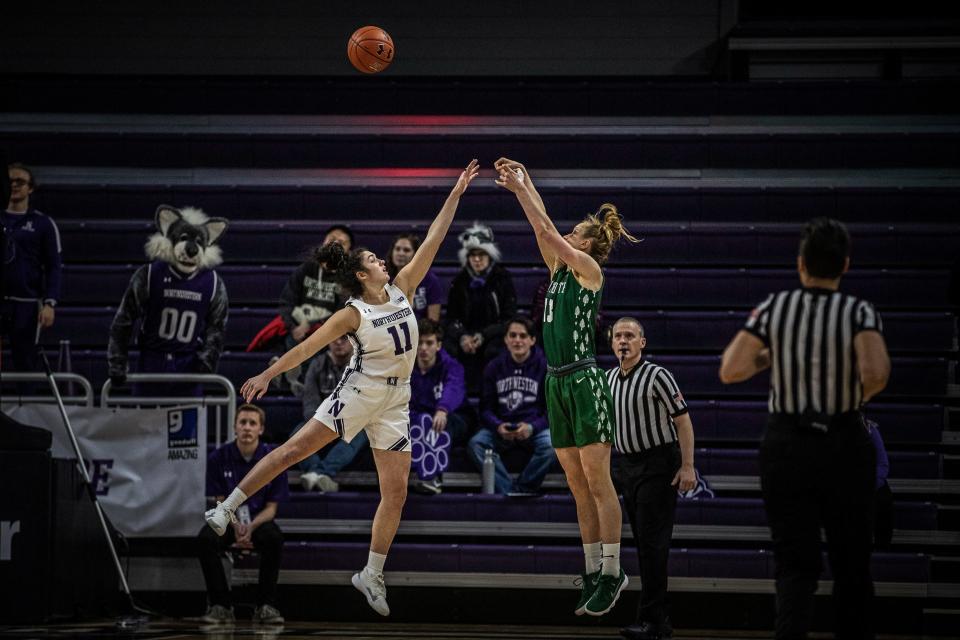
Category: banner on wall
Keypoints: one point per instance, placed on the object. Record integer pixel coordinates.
(148, 466)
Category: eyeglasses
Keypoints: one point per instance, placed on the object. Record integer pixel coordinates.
(19, 182)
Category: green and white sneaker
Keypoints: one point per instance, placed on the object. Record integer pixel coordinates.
(588, 584)
(606, 594)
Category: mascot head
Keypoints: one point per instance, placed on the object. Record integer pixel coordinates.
(186, 239)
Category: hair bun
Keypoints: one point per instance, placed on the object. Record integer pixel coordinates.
(332, 256)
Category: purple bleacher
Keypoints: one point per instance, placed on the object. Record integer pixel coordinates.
(550, 508)
(726, 420)
(677, 244)
(696, 375)
(541, 559)
(713, 204)
(577, 147)
(624, 288)
(665, 329)
(743, 462)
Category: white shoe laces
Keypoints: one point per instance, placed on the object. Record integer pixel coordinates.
(230, 514)
(378, 587)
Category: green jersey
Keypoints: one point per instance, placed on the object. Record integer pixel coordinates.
(569, 319)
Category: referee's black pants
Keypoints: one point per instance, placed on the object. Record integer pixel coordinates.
(651, 502)
(811, 479)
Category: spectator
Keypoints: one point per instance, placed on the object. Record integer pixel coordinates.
(429, 295)
(482, 299)
(310, 296)
(321, 380)
(514, 411)
(31, 270)
(437, 391)
(254, 528)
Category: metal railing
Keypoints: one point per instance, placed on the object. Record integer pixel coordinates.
(227, 401)
(33, 378)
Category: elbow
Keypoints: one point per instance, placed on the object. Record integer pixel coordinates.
(874, 382)
(728, 375)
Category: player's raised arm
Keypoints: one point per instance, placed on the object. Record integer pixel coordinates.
(410, 277)
(344, 321)
(529, 198)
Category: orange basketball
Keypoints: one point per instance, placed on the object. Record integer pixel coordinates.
(370, 49)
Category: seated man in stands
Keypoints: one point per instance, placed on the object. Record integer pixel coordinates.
(255, 527)
(514, 411)
(321, 380)
(436, 392)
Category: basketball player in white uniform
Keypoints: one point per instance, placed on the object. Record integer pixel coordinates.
(374, 393)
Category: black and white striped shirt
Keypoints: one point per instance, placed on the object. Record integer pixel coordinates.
(810, 333)
(645, 402)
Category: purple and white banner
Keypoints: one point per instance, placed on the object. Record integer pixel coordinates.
(148, 466)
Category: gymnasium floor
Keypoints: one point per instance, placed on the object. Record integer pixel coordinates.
(186, 630)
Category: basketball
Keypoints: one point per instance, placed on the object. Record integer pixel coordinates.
(370, 49)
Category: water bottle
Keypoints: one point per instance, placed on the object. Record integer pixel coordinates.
(489, 471)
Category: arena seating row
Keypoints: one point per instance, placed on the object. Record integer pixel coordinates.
(551, 508)
(675, 243)
(624, 288)
(720, 420)
(303, 556)
(917, 377)
(401, 141)
(667, 330)
(405, 194)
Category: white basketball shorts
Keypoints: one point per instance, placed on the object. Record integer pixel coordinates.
(380, 409)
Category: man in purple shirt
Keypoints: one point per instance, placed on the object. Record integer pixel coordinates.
(514, 412)
(255, 528)
(31, 270)
(437, 389)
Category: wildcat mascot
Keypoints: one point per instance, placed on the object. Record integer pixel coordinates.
(179, 299)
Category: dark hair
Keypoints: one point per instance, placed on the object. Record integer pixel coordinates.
(427, 327)
(414, 242)
(254, 409)
(341, 227)
(524, 320)
(28, 170)
(344, 266)
(605, 228)
(825, 247)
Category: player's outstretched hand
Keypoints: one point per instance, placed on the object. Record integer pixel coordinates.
(511, 175)
(255, 387)
(466, 177)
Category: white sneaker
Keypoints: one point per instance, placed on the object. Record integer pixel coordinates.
(374, 589)
(309, 480)
(218, 614)
(219, 517)
(327, 484)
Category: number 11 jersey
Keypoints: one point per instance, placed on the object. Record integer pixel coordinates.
(385, 343)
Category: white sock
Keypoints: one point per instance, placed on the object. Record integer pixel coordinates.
(611, 559)
(234, 500)
(375, 562)
(591, 553)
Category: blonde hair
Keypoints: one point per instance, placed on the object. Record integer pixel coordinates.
(605, 228)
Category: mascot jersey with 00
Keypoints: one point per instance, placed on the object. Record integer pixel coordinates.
(179, 299)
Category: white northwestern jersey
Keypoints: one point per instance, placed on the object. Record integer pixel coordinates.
(385, 343)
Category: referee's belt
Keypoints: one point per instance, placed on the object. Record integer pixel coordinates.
(567, 369)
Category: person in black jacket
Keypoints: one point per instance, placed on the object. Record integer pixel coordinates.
(482, 301)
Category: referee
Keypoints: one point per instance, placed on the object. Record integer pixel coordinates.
(827, 358)
(655, 436)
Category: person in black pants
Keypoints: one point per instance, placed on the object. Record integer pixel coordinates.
(827, 358)
(255, 527)
(654, 435)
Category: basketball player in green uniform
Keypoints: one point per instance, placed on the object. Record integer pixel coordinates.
(579, 405)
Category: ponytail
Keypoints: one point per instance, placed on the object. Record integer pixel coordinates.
(605, 228)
